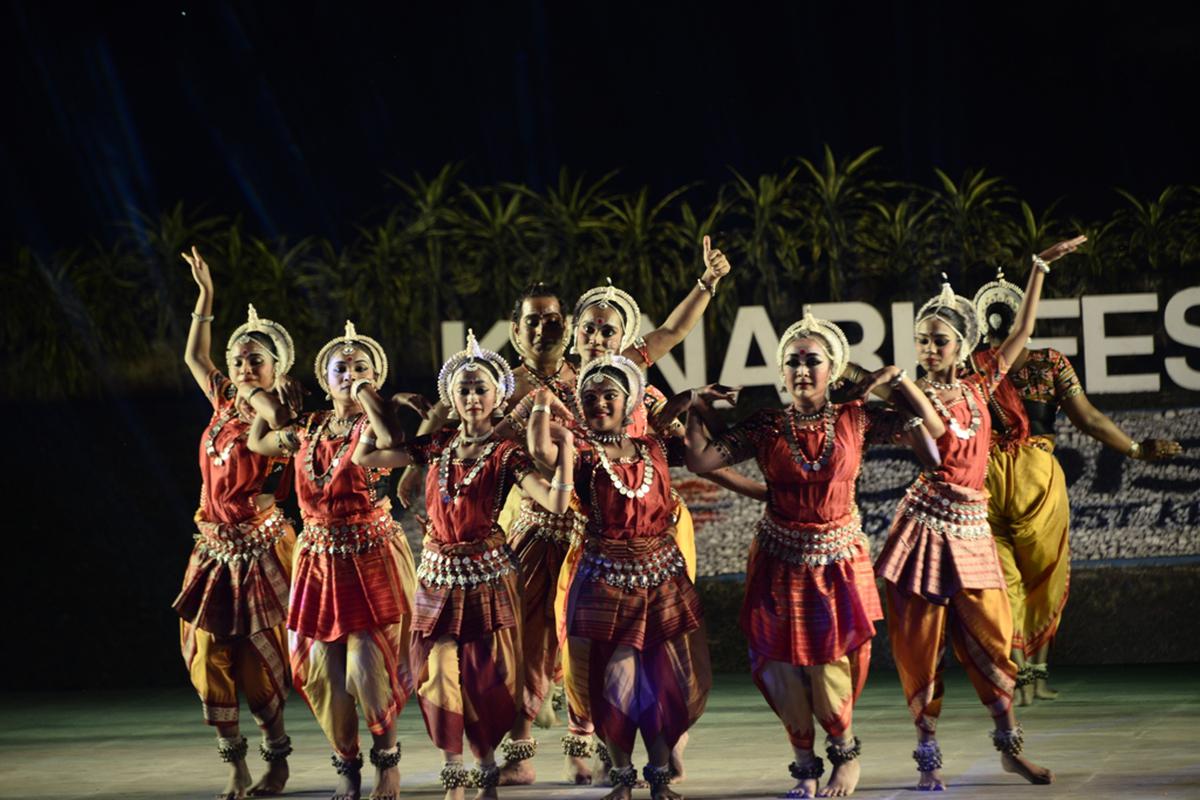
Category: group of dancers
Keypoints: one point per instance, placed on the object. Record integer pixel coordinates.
(556, 549)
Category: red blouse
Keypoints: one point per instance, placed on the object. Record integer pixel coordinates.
(351, 490)
(472, 512)
(797, 495)
(965, 461)
(612, 514)
(230, 488)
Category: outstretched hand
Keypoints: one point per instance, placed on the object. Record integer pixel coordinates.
(200, 271)
(1159, 449)
(415, 401)
(1065, 247)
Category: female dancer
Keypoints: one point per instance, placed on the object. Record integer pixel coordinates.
(234, 598)
(632, 616)
(939, 561)
(811, 604)
(352, 589)
(1028, 507)
(467, 648)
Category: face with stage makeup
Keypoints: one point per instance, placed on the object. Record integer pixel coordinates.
(344, 367)
(598, 331)
(251, 364)
(604, 404)
(938, 345)
(539, 328)
(806, 369)
(474, 394)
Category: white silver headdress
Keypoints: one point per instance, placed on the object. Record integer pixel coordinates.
(347, 343)
(609, 296)
(474, 358)
(605, 369)
(999, 291)
(837, 347)
(961, 318)
(282, 350)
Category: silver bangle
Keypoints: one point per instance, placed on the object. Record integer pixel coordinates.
(370, 440)
(913, 423)
(1041, 264)
(899, 379)
(202, 317)
(561, 487)
(539, 407)
(712, 290)
(1135, 449)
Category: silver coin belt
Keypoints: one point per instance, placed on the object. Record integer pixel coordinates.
(347, 540)
(815, 547)
(241, 541)
(925, 504)
(441, 569)
(656, 569)
(559, 528)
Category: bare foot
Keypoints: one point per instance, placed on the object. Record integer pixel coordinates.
(619, 793)
(518, 773)
(387, 784)
(665, 793)
(1028, 770)
(931, 781)
(239, 781)
(273, 782)
(349, 787)
(1042, 691)
(579, 771)
(843, 781)
(455, 794)
(678, 773)
(488, 793)
(1024, 695)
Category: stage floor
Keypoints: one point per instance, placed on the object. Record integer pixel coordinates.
(1131, 732)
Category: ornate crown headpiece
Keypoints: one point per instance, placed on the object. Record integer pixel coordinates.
(282, 348)
(998, 291)
(609, 296)
(599, 370)
(967, 329)
(474, 358)
(837, 347)
(348, 342)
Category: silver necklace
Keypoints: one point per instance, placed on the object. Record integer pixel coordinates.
(944, 412)
(483, 437)
(444, 470)
(325, 477)
(210, 446)
(608, 438)
(943, 387)
(793, 437)
(647, 472)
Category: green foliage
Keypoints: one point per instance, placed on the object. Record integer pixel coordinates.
(96, 318)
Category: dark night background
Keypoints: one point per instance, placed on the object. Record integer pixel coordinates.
(292, 114)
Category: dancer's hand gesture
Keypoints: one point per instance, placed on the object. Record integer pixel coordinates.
(1158, 449)
(716, 265)
(1057, 251)
(200, 272)
(415, 401)
(290, 392)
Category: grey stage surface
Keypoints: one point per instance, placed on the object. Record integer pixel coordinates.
(1130, 732)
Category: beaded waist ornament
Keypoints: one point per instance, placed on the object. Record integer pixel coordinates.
(541, 524)
(930, 503)
(349, 536)
(465, 569)
(243, 540)
(811, 544)
(618, 564)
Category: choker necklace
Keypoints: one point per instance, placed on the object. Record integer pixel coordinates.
(943, 387)
(346, 421)
(444, 471)
(793, 436)
(647, 472)
(804, 416)
(463, 438)
(608, 438)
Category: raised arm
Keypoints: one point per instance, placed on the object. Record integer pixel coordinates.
(680, 322)
(1096, 424)
(1022, 327)
(555, 495)
(197, 353)
(702, 455)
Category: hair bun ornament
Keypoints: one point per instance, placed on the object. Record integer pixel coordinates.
(608, 296)
(347, 343)
(837, 346)
(595, 372)
(473, 358)
(965, 321)
(997, 292)
(283, 350)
